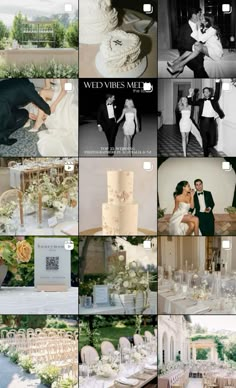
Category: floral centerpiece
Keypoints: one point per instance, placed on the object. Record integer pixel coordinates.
(6, 213)
(12, 253)
(56, 195)
(108, 365)
(131, 284)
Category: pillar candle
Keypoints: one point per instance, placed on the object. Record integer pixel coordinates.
(40, 207)
(20, 197)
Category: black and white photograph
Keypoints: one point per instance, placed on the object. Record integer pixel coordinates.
(196, 39)
(118, 118)
(196, 196)
(196, 117)
(118, 39)
(39, 117)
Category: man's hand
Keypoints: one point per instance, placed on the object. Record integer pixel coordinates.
(207, 210)
(99, 127)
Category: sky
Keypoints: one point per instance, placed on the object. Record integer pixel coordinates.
(32, 8)
(215, 322)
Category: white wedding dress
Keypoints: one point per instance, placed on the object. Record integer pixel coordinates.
(176, 227)
(186, 125)
(129, 124)
(61, 136)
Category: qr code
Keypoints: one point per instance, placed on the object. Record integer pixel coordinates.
(52, 263)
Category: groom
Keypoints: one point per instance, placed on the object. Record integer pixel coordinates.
(203, 205)
(106, 121)
(185, 43)
(209, 110)
(14, 94)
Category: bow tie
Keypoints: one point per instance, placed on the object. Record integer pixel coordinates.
(109, 104)
(206, 99)
(200, 193)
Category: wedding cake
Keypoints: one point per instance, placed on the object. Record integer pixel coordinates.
(120, 51)
(120, 213)
(97, 18)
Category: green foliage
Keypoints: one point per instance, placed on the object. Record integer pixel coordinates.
(48, 374)
(4, 349)
(177, 357)
(59, 32)
(230, 351)
(17, 28)
(3, 31)
(56, 324)
(49, 70)
(72, 34)
(14, 357)
(66, 383)
(26, 363)
(138, 323)
(202, 354)
(218, 342)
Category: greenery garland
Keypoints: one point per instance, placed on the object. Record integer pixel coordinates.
(219, 344)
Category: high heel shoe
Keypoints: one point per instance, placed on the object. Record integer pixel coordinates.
(175, 73)
(170, 63)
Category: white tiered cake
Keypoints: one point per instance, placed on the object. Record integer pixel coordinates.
(120, 213)
(120, 55)
(96, 19)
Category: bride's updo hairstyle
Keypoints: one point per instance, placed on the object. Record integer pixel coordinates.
(179, 188)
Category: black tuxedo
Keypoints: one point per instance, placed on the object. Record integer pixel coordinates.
(206, 220)
(14, 94)
(208, 127)
(108, 125)
(185, 43)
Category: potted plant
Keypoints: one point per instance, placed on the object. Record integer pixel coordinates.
(48, 374)
(231, 210)
(161, 212)
(12, 253)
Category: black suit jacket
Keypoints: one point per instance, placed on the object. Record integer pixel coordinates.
(208, 201)
(102, 116)
(185, 41)
(214, 102)
(16, 93)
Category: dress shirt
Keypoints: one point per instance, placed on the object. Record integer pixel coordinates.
(110, 111)
(202, 203)
(208, 110)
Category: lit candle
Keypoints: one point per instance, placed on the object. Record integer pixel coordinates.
(232, 38)
(20, 197)
(40, 207)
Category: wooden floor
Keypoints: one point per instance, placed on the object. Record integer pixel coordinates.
(225, 225)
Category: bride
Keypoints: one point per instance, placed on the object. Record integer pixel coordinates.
(131, 122)
(61, 136)
(182, 222)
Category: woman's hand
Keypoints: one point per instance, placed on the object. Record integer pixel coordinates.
(53, 108)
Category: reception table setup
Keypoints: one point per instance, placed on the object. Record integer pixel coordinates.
(44, 200)
(129, 365)
(196, 292)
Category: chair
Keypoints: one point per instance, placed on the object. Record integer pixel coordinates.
(8, 196)
(155, 332)
(148, 335)
(12, 163)
(138, 339)
(89, 355)
(124, 343)
(107, 348)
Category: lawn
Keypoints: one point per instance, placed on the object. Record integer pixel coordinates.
(113, 334)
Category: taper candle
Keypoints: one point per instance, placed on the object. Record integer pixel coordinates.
(40, 208)
(20, 197)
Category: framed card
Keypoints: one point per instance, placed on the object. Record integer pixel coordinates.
(100, 295)
(52, 264)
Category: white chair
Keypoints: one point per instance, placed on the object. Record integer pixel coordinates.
(148, 335)
(89, 355)
(107, 348)
(155, 332)
(124, 343)
(138, 339)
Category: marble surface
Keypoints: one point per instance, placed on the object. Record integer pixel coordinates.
(27, 300)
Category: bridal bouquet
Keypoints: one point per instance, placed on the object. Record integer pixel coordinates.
(14, 252)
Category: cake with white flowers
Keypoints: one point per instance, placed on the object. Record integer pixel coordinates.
(120, 51)
(97, 18)
(120, 213)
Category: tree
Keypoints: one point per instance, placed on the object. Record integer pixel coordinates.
(72, 34)
(59, 34)
(17, 28)
(202, 354)
(3, 31)
(197, 328)
(230, 351)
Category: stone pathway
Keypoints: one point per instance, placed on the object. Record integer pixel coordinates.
(194, 383)
(12, 376)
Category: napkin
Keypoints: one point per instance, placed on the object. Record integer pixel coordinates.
(150, 367)
(125, 381)
(197, 309)
(71, 230)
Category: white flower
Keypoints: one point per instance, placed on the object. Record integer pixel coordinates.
(132, 274)
(121, 258)
(126, 284)
(45, 198)
(137, 356)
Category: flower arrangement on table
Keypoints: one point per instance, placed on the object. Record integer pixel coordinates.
(129, 279)
(54, 194)
(6, 213)
(13, 253)
(108, 365)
